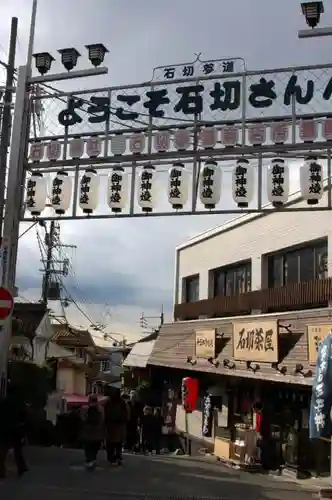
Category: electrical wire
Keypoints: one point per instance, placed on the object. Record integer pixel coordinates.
(42, 249)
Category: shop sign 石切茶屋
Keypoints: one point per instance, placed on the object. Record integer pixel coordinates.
(256, 341)
(205, 344)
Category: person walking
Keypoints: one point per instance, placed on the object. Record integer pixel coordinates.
(133, 423)
(158, 423)
(116, 416)
(92, 434)
(147, 429)
(12, 430)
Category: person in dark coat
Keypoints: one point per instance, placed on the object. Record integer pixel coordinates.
(92, 434)
(116, 416)
(12, 430)
(158, 423)
(148, 422)
(133, 423)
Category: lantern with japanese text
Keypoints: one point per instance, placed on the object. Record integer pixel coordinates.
(36, 193)
(61, 192)
(210, 184)
(117, 189)
(311, 181)
(147, 188)
(243, 183)
(178, 186)
(278, 182)
(190, 393)
(207, 416)
(89, 191)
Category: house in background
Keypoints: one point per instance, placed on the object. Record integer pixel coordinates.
(136, 369)
(73, 374)
(108, 362)
(29, 321)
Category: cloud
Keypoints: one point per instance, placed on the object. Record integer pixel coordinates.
(126, 266)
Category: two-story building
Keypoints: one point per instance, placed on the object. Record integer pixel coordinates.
(108, 362)
(73, 374)
(251, 304)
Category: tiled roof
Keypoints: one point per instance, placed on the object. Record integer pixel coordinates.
(27, 317)
(65, 334)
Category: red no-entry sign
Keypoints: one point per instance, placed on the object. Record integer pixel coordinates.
(6, 303)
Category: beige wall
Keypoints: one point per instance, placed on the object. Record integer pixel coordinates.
(71, 381)
(250, 241)
(194, 423)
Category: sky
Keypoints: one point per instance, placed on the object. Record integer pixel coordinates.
(122, 268)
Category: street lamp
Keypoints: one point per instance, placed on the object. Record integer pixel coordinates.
(97, 53)
(312, 12)
(69, 57)
(43, 62)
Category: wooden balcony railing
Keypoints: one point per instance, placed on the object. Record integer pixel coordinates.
(296, 296)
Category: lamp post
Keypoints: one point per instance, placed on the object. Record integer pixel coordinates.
(18, 153)
(312, 12)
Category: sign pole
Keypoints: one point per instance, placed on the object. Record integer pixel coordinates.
(16, 179)
(6, 117)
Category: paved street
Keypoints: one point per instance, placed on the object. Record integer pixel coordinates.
(58, 474)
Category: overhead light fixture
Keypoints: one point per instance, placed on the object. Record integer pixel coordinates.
(69, 57)
(97, 52)
(214, 362)
(43, 61)
(229, 364)
(253, 366)
(282, 370)
(191, 360)
(299, 368)
(312, 12)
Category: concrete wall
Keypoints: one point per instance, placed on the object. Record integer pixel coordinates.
(250, 241)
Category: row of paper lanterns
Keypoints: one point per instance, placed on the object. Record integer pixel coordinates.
(210, 184)
(181, 140)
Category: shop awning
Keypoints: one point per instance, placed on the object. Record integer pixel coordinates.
(139, 355)
(176, 344)
(76, 399)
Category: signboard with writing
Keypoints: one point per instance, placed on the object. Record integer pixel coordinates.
(205, 343)
(256, 341)
(316, 334)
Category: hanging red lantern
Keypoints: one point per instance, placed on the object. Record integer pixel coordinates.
(190, 394)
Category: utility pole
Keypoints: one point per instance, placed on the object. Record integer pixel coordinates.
(7, 116)
(52, 266)
(16, 176)
(144, 323)
(49, 240)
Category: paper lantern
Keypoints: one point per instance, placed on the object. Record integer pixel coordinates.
(190, 393)
(243, 183)
(147, 189)
(278, 182)
(61, 192)
(89, 191)
(210, 184)
(207, 416)
(117, 189)
(36, 193)
(178, 186)
(311, 181)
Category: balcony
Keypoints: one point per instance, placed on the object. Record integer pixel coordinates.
(297, 296)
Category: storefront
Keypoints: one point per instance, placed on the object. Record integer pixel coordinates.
(263, 367)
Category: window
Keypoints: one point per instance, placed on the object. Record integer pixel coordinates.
(80, 352)
(298, 265)
(105, 366)
(191, 289)
(231, 280)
